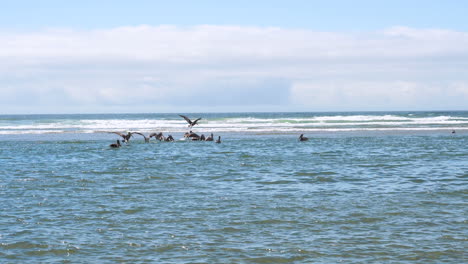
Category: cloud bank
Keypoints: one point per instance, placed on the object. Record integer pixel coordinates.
(231, 68)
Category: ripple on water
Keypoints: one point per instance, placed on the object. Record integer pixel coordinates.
(341, 199)
(166, 247)
(225, 230)
(316, 177)
(133, 210)
(275, 182)
(23, 245)
(276, 259)
(315, 173)
(52, 251)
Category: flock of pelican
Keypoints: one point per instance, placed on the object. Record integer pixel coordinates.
(159, 136)
(188, 135)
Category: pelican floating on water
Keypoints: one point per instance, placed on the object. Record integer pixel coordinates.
(302, 138)
(209, 138)
(191, 135)
(115, 145)
(159, 136)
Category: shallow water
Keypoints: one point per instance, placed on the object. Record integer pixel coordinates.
(339, 197)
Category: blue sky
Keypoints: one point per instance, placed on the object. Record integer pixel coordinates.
(332, 15)
(194, 56)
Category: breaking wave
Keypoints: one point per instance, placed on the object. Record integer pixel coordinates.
(231, 122)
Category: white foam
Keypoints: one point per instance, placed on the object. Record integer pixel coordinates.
(241, 124)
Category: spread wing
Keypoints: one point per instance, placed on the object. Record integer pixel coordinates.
(140, 135)
(195, 122)
(186, 119)
(118, 133)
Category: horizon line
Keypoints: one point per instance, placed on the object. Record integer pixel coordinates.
(240, 112)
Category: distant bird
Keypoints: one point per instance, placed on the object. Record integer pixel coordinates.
(302, 138)
(209, 138)
(126, 137)
(159, 136)
(453, 131)
(147, 139)
(169, 138)
(202, 137)
(191, 123)
(115, 145)
(191, 135)
(218, 140)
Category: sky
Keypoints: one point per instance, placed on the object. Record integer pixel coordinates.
(232, 56)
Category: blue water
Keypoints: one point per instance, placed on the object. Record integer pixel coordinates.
(357, 195)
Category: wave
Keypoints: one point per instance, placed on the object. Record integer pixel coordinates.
(230, 123)
(355, 118)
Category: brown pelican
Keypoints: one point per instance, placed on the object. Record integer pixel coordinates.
(146, 138)
(126, 137)
(169, 138)
(159, 136)
(202, 137)
(209, 138)
(218, 140)
(302, 138)
(191, 135)
(191, 123)
(115, 145)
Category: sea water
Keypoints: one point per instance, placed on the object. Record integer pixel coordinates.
(386, 187)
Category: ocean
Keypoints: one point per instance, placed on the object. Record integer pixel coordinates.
(367, 187)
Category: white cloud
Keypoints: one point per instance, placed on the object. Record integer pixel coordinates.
(355, 95)
(130, 68)
(461, 88)
(397, 95)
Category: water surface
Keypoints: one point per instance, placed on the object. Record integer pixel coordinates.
(359, 194)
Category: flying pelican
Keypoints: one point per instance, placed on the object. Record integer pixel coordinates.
(191, 123)
(126, 137)
(146, 138)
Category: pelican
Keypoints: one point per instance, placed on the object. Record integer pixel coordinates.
(159, 136)
(209, 138)
(169, 138)
(191, 123)
(146, 138)
(218, 140)
(302, 138)
(126, 137)
(115, 145)
(191, 135)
